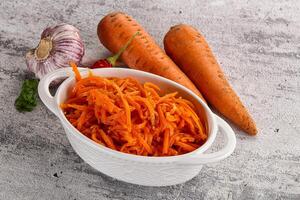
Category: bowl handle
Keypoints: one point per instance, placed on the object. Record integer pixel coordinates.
(43, 88)
(229, 147)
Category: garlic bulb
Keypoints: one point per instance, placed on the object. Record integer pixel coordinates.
(58, 46)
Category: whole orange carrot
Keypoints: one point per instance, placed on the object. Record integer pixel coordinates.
(190, 51)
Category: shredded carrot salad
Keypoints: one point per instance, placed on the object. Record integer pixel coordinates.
(125, 115)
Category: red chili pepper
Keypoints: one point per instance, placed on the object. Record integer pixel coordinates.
(103, 63)
(111, 61)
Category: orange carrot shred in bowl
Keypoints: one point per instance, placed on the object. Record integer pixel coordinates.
(127, 116)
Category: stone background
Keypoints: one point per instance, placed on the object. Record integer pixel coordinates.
(257, 44)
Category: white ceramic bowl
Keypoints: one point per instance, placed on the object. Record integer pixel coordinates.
(142, 170)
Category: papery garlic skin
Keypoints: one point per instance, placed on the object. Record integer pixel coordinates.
(58, 46)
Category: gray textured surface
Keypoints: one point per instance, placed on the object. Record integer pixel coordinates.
(258, 45)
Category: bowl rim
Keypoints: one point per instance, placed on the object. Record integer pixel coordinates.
(212, 126)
